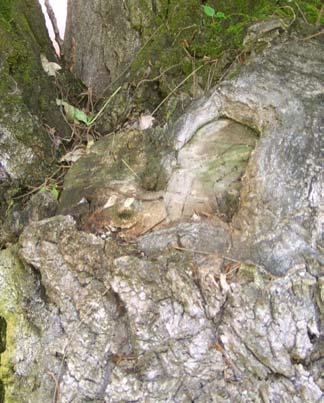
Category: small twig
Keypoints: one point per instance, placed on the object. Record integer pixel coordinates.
(211, 75)
(53, 20)
(130, 168)
(145, 80)
(37, 188)
(235, 267)
(56, 394)
(301, 12)
(152, 227)
(175, 89)
(313, 36)
(293, 19)
(68, 123)
(16, 86)
(104, 106)
(117, 358)
(152, 197)
(319, 17)
(187, 52)
(181, 30)
(201, 252)
(231, 65)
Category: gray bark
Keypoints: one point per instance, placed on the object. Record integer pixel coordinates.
(99, 41)
(170, 317)
(27, 100)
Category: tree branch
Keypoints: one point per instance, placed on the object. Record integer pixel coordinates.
(53, 20)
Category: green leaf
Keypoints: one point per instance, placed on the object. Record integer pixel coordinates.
(80, 116)
(209, 11)
(55, 192)
(69, 112)
(73, 114)
(220, 14)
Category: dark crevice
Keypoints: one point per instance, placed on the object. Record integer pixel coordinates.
(2, 392)
(3, 343)
(3, 332)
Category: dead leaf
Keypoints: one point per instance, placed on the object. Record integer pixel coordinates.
(223, 283)
(128, 202)
(50, 68)
(73, 155)
(145, 122)
(111, 202)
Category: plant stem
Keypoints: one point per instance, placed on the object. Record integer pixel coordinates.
(175, 89)
(91, 122)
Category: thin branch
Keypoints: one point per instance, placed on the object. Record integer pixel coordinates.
(175, 89)
(301, 12)
(148, 80)
(104, 106)
(130, 168)
(56, 394)
(152, 227)
(313, 36)
(319, 17)
(293, 18)
(201, 252)
(53, 20)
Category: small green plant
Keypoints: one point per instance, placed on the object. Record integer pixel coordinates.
(211, 12)
(52, 189)
(74, 114)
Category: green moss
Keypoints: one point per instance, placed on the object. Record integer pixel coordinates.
(16, 283)
(230, 161)
(6, 368)
(26, 92)
(5, 10)
(153, 177)
(125, 214)
(190, 39)
(311, 10)
(10, 317)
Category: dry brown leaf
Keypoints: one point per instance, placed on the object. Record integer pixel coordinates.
(111, 202)
(145, 122)
(50, 68)
(73, 155)
(223, 282)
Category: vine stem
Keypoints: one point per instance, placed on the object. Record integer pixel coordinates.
(175, 89)
(102, 109)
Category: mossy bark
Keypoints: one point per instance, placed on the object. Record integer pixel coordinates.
(27, 99)
(15, 284)
(23, 37)
(163, 47)
(185, 34)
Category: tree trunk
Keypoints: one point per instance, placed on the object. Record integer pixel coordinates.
(27, 99)
(99, 41)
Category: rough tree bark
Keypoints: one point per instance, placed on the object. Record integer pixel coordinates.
(99, 41)
(27, 99)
